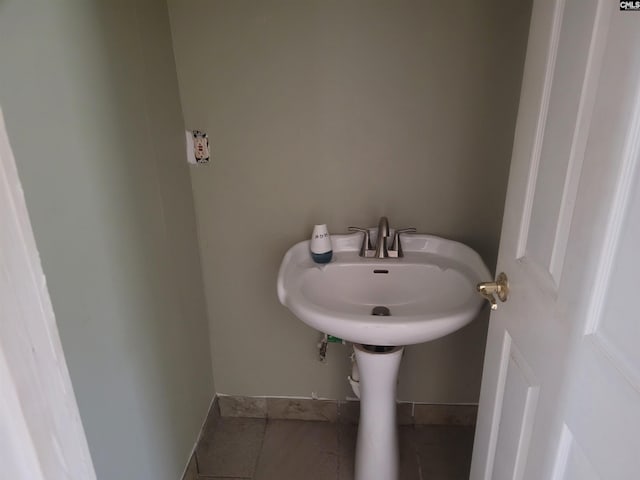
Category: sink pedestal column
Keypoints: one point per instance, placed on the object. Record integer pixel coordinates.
(377, 446)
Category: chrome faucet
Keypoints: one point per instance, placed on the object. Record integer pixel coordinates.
(381, 248)
(381, 242)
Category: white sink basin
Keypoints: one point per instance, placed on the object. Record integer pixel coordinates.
(430, 292)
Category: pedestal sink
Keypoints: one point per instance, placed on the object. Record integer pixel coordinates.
(382, 305)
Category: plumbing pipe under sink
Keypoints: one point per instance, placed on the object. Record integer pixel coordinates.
(354, 378)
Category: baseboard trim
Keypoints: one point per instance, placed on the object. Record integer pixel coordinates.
(347, 411)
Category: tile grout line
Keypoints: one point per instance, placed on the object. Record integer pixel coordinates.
(339, 442)
(257, 461)
(420, 477)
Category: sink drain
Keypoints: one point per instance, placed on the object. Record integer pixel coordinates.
(381, 311)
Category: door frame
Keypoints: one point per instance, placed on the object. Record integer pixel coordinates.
(41, 434)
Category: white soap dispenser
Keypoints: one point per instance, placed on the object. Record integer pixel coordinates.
(320, 244)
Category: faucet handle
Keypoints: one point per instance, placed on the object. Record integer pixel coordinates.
(396, 246)
(366, 241)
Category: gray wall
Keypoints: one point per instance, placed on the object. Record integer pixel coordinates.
(90, 96)
(337, 112)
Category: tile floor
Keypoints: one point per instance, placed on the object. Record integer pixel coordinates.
(261, 449)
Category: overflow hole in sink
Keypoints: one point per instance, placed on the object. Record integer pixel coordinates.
(381, 311)
(381, 271)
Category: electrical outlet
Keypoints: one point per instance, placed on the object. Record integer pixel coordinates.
(198, 151)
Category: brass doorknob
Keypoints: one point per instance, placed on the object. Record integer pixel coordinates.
(500, 288)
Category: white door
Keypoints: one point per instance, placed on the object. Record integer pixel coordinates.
(560, 396)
